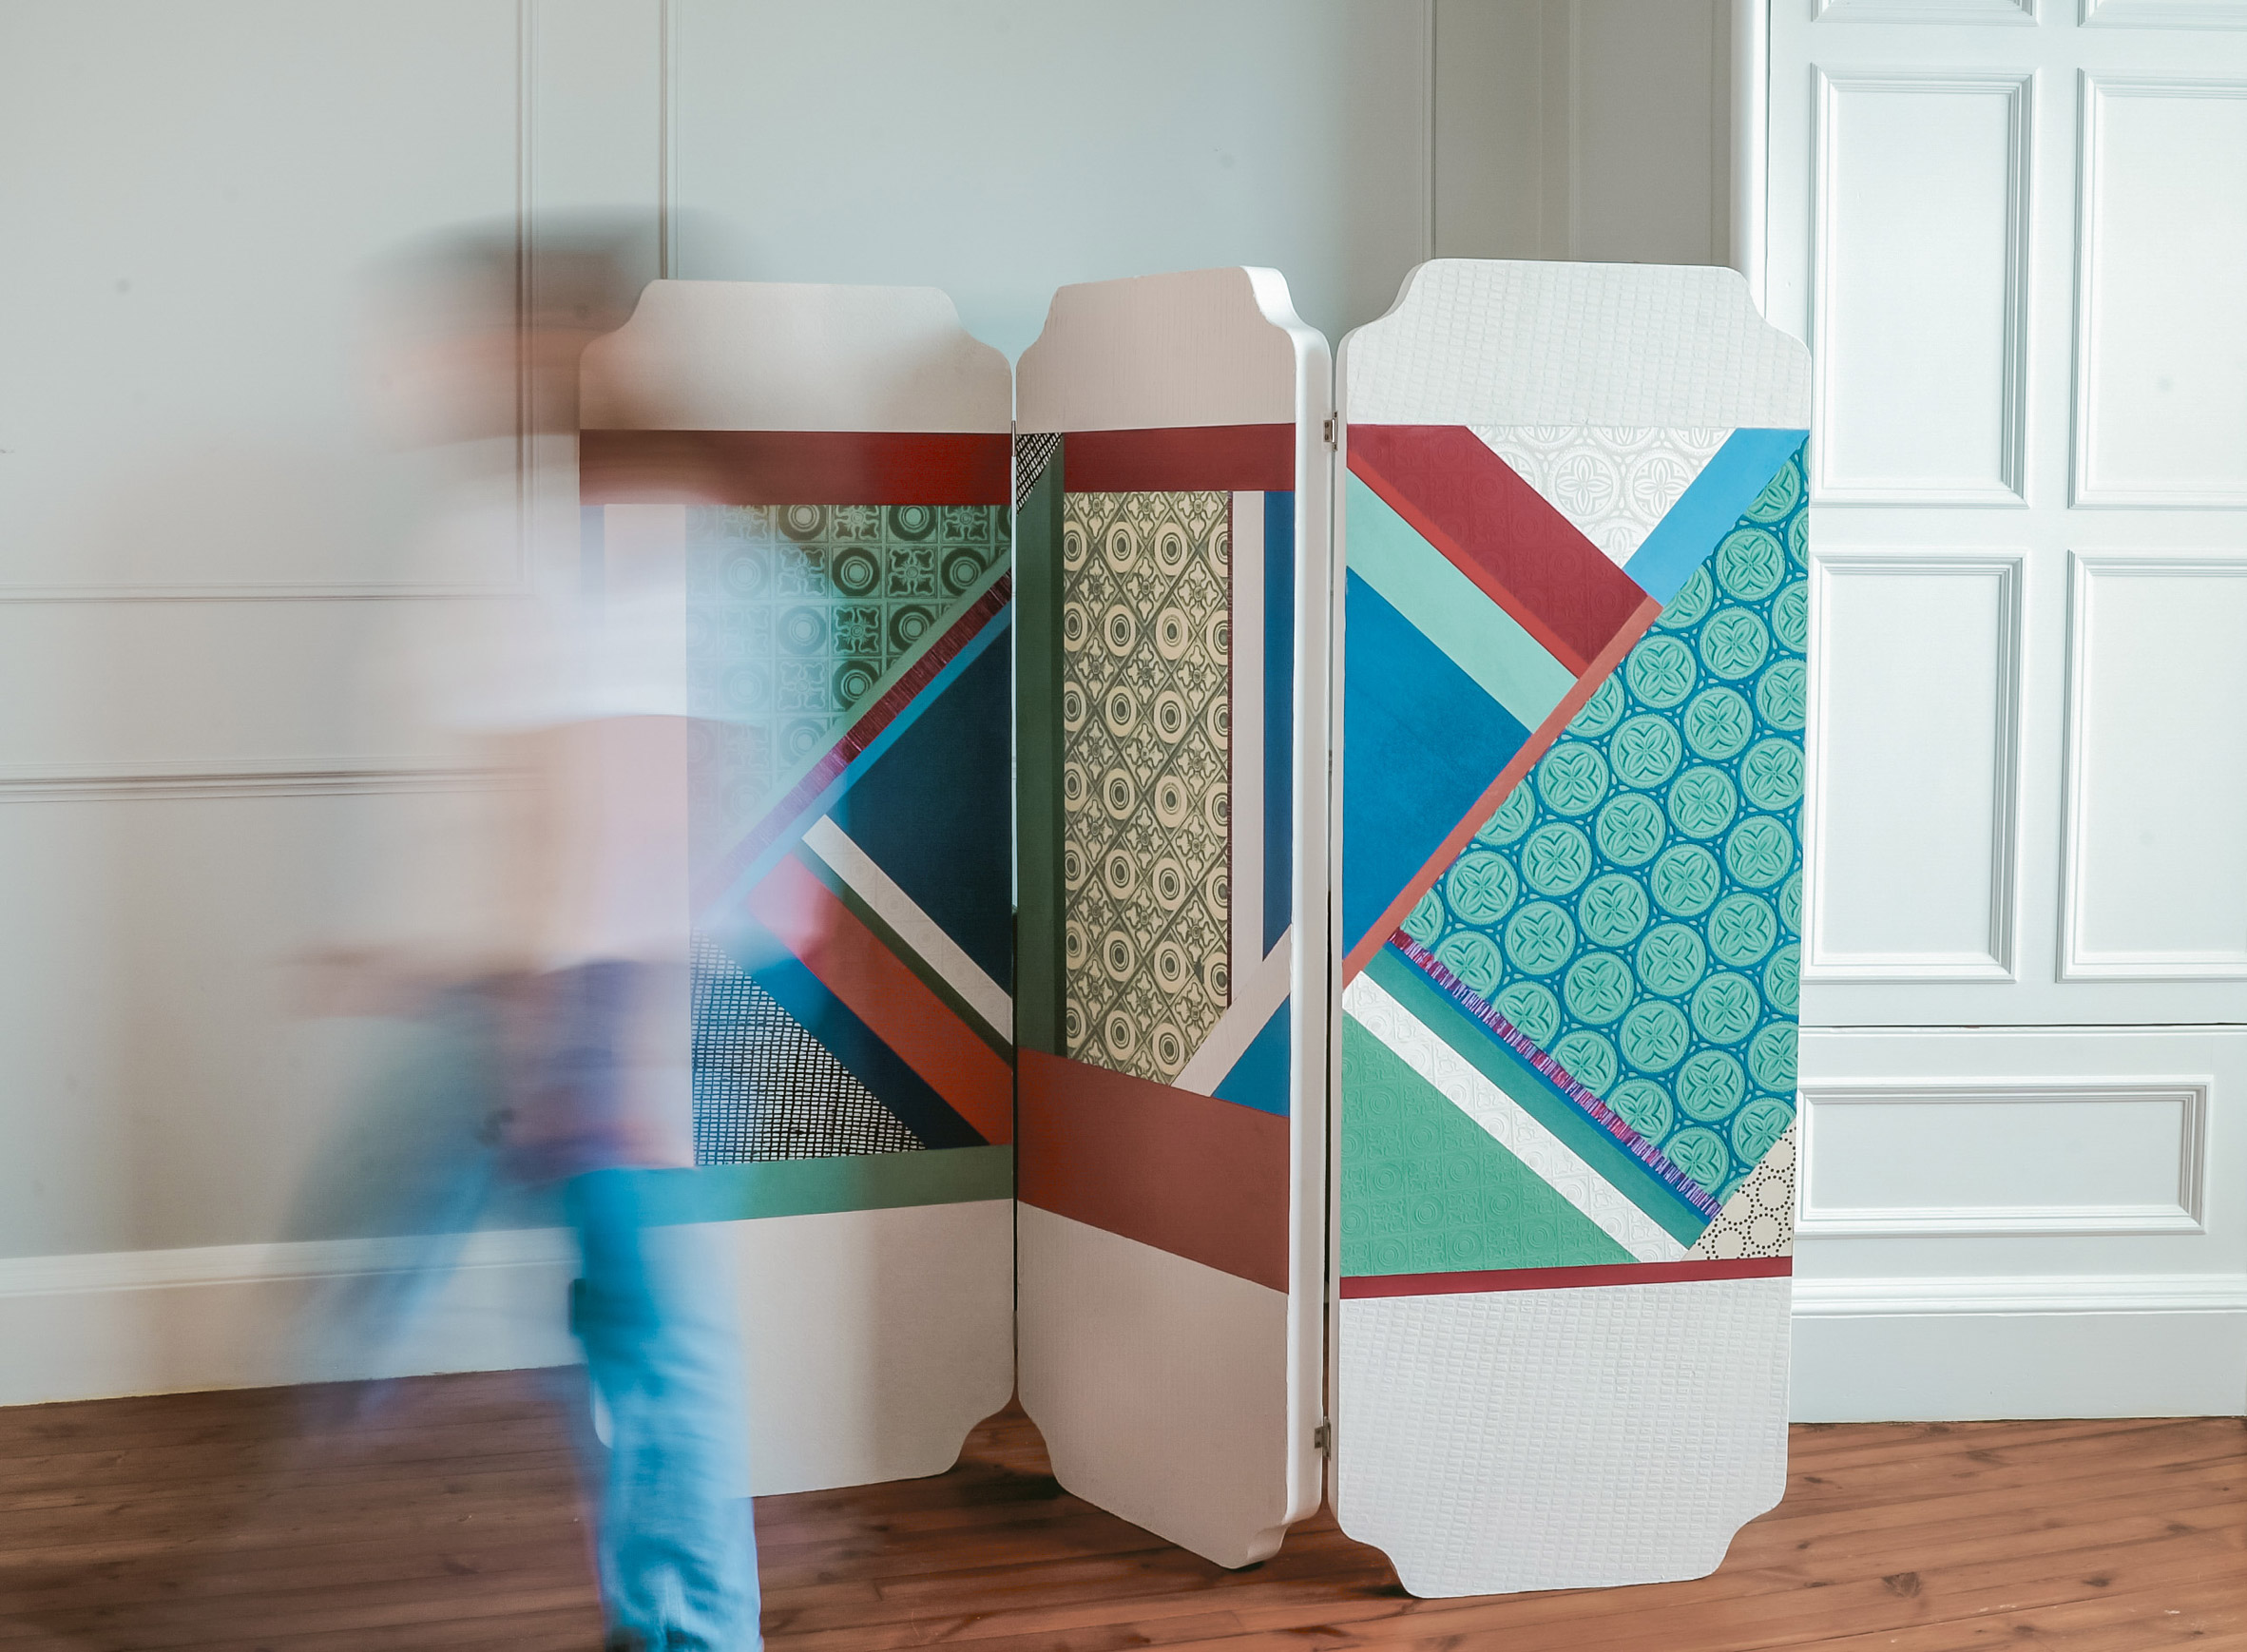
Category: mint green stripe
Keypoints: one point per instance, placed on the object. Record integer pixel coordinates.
(819, 1186)
(1606, 1157)
(1452, 611)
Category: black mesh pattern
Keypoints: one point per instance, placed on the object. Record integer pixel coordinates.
(764, 1087)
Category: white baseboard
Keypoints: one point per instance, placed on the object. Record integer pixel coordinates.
(2082, 1345)
(125, 1323)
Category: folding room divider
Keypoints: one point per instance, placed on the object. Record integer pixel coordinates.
(1283, 945)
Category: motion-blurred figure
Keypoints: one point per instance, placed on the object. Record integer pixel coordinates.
(538, 943)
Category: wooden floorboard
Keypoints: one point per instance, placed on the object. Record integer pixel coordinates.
(448, 1518)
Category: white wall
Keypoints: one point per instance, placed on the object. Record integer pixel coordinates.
(199, 529)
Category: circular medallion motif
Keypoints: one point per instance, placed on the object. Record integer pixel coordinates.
(1601, 712)
(1718, 723)
(1685, 610)
(1481, 888)
(1556, 859)
(1598, 988)
(1771, 1058)
(1779, 495)
(1741, 929)
(1750, 564)
(1533, 1011)
(1573, 777)
(1789, 901)
(1660, 671)
(856, 571)
(912, 520)
(1782, 979)
(1760, 1123)
(1798, 541)
(1426, 925)
(1653, 1035)
(1630, 829)
(1710, 1085)
(1702, 802)
(1685, 880)
(1589, 1058)
(1645, 1105)
(1781, 694)
(1644, 752)
(1725, 1008)
(1612, 910)
(1771, 774)
(1473, 958)
(1513, 818)
(1538, 938)
(1671, 959)
(1734, 644)
(1701, 1153)
(1790, 616)
(1759, 852)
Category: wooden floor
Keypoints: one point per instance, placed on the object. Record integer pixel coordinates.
(449, 1518)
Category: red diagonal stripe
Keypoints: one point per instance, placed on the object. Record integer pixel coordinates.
(1500, 532)
(879, 989)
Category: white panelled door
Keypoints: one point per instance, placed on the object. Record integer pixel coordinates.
(2014, 233)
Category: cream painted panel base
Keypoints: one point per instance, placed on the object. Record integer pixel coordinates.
(1526, 1440)
(876, 1339)
(1159, 1385)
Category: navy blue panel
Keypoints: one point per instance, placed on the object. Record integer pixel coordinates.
(935, 812)
(1279, 713)
(847, 1039)
(1424, 742)
(1260, 1078)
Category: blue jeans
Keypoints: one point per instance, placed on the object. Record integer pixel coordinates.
(654, 1311)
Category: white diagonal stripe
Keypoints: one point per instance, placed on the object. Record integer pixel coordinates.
(1255, 996)
(1460, 1082)
(915, 928)
(1614, 485)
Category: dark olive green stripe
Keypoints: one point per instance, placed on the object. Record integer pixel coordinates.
(1037, 763)
(819, 1186)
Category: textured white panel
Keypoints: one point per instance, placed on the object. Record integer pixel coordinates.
(1507, 1122)
(2166, 13)
(2161, 380)
(2155, 882)
(1562, 1439)
(875, 1340)
(1913, 751)
(1161, 1386)
(1614, 485)
(1919, 241)
(1477, 342)
(1189, 359)
(776, 355)
(1967, 1156)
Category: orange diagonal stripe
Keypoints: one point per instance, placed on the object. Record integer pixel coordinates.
(879, 988)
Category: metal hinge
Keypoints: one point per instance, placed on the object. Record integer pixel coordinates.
(1330, 432)
(1323, 1438)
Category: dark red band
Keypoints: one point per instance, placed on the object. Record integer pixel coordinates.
(1204, 458)
(1192, 1175)
(794, 468)
(1563, 1279)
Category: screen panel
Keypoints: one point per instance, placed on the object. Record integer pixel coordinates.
(1573, 618)
(1172, 500)
(828, 469)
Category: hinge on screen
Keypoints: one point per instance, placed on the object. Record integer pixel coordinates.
(1322, 1439)
(1330, 433)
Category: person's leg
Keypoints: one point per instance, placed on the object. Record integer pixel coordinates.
(654, 1311)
